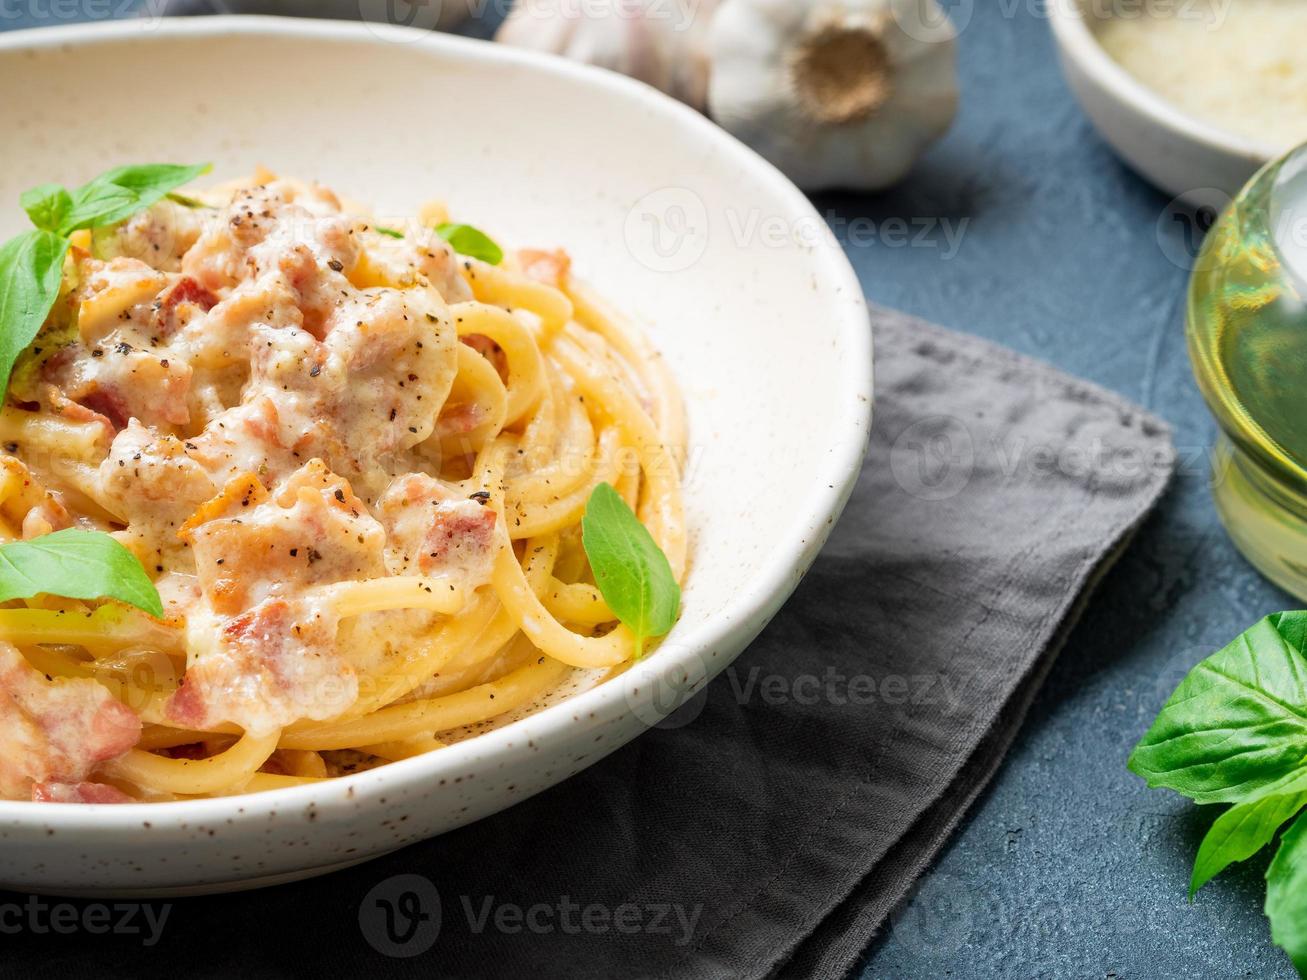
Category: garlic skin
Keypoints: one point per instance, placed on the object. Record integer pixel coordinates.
(660, 42)
(835, 94)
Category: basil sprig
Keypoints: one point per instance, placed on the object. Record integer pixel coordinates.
(630, 569)
(472, 242)
(31, 264)
(1286, 894)
(1235, 731)
(76, 564)
(48, 206)
(121, 192)
(31, 270)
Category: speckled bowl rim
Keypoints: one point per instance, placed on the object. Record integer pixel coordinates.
(751, 607)
(1081, 45)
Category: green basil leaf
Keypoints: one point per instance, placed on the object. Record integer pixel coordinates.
(1243, 830)
(121, 192)
(189, 202)
(31, 270)
(471, 242)
(76, 564)
(1286, 894)
(630, 569)
(1236, 727)
(388, 232)
(47, 205)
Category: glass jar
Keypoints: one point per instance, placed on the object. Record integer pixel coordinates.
(1247, 337)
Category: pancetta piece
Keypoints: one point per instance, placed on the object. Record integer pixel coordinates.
(262, 647)
(430, 531)
(55, 730)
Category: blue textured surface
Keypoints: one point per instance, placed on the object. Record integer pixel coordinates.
(1068, 866)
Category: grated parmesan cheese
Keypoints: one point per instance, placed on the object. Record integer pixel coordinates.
(1240, 65)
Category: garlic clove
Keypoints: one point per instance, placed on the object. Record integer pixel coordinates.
(660, 42)
(836, 94)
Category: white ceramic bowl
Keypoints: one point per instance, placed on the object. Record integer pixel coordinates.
(754, 305)
(1182, 155)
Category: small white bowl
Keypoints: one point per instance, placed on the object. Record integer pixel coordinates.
(671, 218)
(1182, 155)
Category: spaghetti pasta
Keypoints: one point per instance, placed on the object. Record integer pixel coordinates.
(355, 467)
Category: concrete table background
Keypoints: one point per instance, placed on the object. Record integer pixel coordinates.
(1022, 227)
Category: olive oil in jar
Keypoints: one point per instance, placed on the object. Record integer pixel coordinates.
(1247, 334)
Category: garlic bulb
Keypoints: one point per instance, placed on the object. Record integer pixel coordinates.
(836, 93)
(842, 94)
(660, 42)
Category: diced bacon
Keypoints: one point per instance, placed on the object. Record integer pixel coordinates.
(430, 531)
(490, 350)
(106, 403)
(148, 387)
(365, 392)
(264, 225)
(550, 268)
(55, 730)
(118, 382)
(154, 484)
(258, 436)
(177, 305)
(458, 420)
(219, 259)
(397, 351)
(55, 366)
(263, 651)
(186, 705)
(78, 793)
(269, 666)
(249, 546)
(223, 334)
(63, 406)
(263, 422)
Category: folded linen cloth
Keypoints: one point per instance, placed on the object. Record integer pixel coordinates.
(769, 825)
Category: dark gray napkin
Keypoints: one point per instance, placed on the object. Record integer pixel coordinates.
(772, 823)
